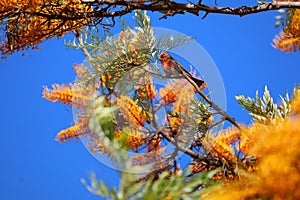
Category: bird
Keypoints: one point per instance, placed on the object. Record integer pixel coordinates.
(173, 68)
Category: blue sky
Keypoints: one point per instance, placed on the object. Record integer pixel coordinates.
(34, 166)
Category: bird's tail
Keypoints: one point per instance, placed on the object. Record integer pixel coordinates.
(199, 82)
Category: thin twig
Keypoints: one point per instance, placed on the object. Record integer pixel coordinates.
(210, 102)
(180, 147)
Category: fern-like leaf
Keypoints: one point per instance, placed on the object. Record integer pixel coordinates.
(264, 110)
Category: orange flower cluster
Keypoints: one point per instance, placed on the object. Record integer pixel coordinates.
(220, 175)
(29, 22)
(184, 96)
(131, 111)
(175, 123)
(110, 78)
(199, 166)
(224, 144)
(229, 176)
(228, 146)
(219, 148)
(134, 138)
(146, 90)
(105, 79)
(68, 94)
(76, 131)
(168, 95)
(277, 172)
(289, 39)
(179, 91)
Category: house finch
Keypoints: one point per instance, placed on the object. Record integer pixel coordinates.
(174, 68)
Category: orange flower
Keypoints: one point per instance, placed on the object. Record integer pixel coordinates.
(179, 91)
(167, 95)
(134, 138)
(76, 131)
(146, 88)
(175, 123)
(131, 111)
(219, 148)
(198, 166)
(289, 39)
(229, 135)
(154, 144)
(28, 27)
(277, 172)
(105, 79)
(67, 94)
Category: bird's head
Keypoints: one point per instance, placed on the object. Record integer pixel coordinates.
(164, 57)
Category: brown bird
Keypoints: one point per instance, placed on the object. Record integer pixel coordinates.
(174, 68)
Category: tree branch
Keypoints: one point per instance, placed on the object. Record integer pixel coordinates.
(211, 103)
(168, 8)
(171, 8)
(180, 147)
(103, 13)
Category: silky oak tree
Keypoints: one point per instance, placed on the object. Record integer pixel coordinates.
(144, 127)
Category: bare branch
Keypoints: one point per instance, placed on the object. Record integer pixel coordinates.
(180, 147)
(171, 8)
(168, 8)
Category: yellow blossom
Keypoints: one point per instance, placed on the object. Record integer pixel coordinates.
(289, 39)
(134, 138)
(175, 123)
(76, 131)
(68, 94)
(146, 91)
(131, 111)
(29, 24)
(219, 148)
(277, 172)
(146, 88)
(178, 90)
(167, 95)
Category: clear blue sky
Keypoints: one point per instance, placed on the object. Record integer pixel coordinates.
(34, 166)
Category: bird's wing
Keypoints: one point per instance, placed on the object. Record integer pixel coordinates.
(178, 67)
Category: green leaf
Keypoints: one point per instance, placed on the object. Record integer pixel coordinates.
(264, 110)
